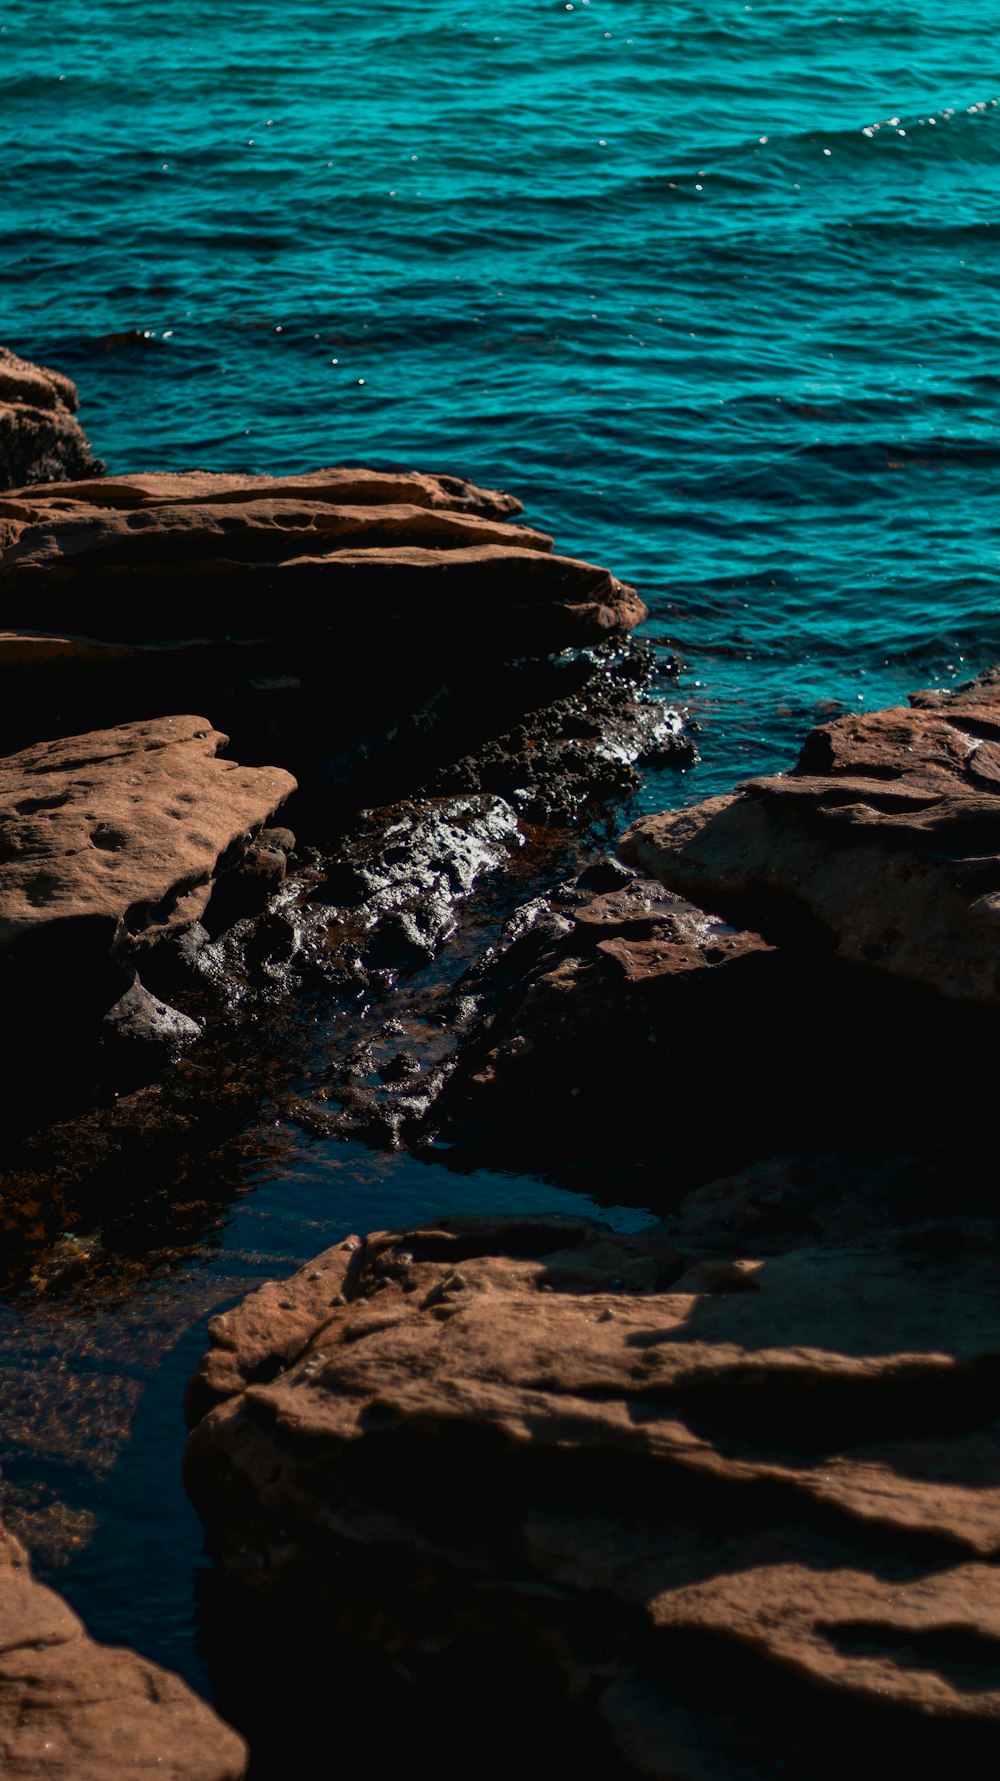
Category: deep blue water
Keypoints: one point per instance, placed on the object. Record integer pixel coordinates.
(712, 287)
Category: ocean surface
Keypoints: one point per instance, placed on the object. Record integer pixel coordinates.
(712, 287)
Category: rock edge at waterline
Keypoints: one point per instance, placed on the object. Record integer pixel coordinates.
(74, 1710)
(41, 440)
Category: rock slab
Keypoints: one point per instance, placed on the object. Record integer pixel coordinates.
(882, 846)
(640, 1467)
(248, 595)
(74, 1710)
(41, 441)
(349, 535)
(120, 832)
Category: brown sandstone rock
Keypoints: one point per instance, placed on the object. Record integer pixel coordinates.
(40, 440)
(73, 1710)
(340, 484)
(883, 845)
(392, 538)
(113, 845)
(120, 832)
(542, 1439)
(249, 594)
(84, 548)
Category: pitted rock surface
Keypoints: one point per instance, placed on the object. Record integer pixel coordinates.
(120, 832)
(779, 1472)
(883, 845)
(40, 439)
(73, 1710)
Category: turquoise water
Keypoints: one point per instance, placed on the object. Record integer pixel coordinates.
(711, 286)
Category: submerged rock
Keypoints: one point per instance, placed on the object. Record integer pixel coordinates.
(732, 1506)
(73, 1710)
(40, 439)
(882, 846)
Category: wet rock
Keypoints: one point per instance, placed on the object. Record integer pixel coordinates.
(73, 1710)
(579, 743)
(40, 439)
(140, 1021)
(593, 1016)
(249, 883)
(366, 628)
(882, 846)
(732, 1507)
(402, 870)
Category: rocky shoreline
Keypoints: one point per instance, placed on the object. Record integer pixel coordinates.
(712, 1498)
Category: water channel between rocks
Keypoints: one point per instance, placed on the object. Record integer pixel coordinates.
(98, 1351)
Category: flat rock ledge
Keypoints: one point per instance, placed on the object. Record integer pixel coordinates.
(40, 438)
(357, 536)
(73, 1710)
(342, 614)
(735, 1502)
(882, 846)
(113, 844)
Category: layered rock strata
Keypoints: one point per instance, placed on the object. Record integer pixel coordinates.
(41, 441)
(734, 1505)
(73, 1710)
(447, 608)
(882, 846)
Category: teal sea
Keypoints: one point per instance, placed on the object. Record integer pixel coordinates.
(711, 286)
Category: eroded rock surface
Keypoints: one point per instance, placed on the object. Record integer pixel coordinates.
(120, 832)
(370, 629)
(41, 441)
(883, 845)
(637, 1467)
(357, 537)
(112, 845)
(73, 1710)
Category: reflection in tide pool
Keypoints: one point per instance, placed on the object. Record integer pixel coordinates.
(93, 1427)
